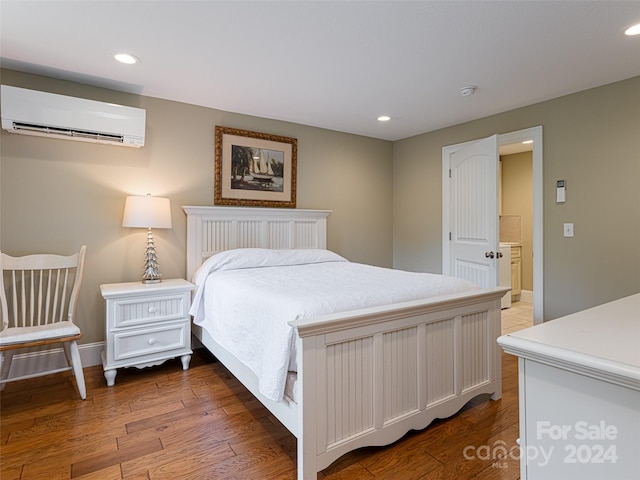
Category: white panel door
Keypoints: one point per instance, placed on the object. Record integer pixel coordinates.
(473, 210)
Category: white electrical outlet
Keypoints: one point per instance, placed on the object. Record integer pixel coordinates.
(568, 229)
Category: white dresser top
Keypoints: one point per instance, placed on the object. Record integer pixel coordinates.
(602, 340)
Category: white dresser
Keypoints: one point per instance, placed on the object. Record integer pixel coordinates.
(579, 393)
(146, 324)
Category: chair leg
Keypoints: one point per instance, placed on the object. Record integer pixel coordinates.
(67, 353)
(76, 364)
(5, 366)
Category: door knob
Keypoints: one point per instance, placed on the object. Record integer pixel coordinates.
(499, 255)
(489, 254)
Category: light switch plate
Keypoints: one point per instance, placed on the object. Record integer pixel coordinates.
(568, 229)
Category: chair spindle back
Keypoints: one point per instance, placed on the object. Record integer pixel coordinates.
(40, 289)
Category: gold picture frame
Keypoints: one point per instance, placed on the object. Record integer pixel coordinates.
(254, 169)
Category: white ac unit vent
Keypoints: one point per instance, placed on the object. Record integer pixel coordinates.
(30, 112)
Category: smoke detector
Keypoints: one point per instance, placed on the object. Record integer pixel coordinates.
(468, 90)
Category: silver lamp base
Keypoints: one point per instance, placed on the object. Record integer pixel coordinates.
(151, 273)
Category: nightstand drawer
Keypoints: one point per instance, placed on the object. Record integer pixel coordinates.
(142, 342)
(152, 309)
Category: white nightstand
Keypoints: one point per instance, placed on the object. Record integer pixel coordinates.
(146, 325)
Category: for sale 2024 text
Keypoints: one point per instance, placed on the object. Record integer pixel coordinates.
(595, 446)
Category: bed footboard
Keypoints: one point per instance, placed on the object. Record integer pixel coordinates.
(370, 376)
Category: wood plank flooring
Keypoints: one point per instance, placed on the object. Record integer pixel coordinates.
(164, 423)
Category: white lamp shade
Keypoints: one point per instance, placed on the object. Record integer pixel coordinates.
(145, 211)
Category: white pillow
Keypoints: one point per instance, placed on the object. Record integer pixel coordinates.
(262, 257)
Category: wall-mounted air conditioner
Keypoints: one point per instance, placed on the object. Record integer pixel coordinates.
(30, 112)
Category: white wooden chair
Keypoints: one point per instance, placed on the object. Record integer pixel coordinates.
(38, 298)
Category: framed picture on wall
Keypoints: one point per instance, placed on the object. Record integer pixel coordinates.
(254, 169)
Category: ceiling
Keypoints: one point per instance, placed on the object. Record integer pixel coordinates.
(331, 64)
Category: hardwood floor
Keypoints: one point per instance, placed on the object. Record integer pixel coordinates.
(163, 423)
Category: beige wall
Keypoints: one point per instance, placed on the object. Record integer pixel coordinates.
(591, 141)
(517, 199)
(386, 197)
(57, 194)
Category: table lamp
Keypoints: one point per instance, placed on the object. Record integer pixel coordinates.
(145, 211)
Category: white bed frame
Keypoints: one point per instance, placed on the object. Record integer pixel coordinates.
(365, 377)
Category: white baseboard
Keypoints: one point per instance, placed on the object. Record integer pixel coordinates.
(526, 296)
(24, 364)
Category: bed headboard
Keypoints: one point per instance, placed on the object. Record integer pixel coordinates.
(214, 229)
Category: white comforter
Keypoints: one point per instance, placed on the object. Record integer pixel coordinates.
(246, 297)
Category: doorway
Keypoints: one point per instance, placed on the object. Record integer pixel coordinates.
(534, 135)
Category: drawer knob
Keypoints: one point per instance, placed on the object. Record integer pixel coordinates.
(152, 341)
(152, 309)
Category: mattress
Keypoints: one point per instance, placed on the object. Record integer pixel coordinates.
(245, 299)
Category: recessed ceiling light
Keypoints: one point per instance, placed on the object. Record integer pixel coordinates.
(468, 90)
(126, 58)
(633, 30)
(384, 118)
(527, 141)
